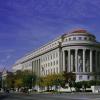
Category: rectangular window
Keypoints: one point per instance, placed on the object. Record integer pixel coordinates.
(85, 38)
(56, 54)
(51, 56)
(80, 77)
(57, 62)
(74, 38)
(57, 70)
(69, 39)
(80, 38)
(51, 63)
(54, 62)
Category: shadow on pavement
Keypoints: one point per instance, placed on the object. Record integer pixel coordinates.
(3, 96)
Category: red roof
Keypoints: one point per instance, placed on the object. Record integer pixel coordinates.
(80, 31)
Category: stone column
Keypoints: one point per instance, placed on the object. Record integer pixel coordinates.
(69, 67)
(33, 66)
(72, 57)
(60, 59)
(37, 68)
(91, 63)
(63, 60)
(84, 60)
(99, 61)
(76, 57)
(96, 61)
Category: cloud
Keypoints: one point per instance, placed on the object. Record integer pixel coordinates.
(7, 51)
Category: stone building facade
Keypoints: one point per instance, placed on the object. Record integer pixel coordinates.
(77, 52)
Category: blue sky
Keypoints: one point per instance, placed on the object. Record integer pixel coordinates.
(28, 24)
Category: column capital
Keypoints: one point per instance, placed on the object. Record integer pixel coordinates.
(69, 50)
(76, 49)
(91, 49)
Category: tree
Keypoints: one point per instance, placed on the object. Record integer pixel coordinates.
(51, 80)
(9, 81)
(58, 80)
(28, 78)
(18, 83)
(69, 78)
(18, 79)
(78, 85)
(25, 79)
(84, 85)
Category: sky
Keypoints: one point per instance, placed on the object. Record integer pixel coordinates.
(28, 24)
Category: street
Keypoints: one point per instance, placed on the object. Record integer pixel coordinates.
(67, 96)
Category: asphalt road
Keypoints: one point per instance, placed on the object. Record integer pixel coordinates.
(68, 96)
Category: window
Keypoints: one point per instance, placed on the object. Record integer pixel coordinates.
(54, 62)
(90, 38)
(69, 39)
(74, 38)
(80, 38)
(46, 72)
(80, 77)
(88, 77)
(57, 70)
(54, 70)
(57, 62)
(51, 56)
(85, 38)
(46, 65)
(48, 57)
(56, 54)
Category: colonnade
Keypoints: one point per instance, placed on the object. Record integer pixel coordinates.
(36, 67)
(81, 60)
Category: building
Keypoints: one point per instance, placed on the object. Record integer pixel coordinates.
(5, 73)
(77, 52)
